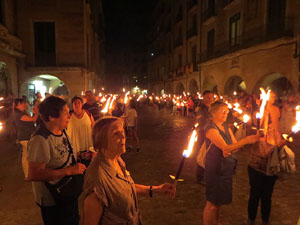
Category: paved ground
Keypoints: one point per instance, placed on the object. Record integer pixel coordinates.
(163, 137)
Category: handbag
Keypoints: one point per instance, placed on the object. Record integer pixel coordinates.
(68, 188)
(201, 157)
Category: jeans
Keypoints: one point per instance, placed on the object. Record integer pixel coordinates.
(66, 214)
(261, 189)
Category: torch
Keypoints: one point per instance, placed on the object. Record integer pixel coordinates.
(295, 128)
(265, 97)
(105, 110)
(186, 154)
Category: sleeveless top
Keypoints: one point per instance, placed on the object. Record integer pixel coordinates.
(80, 133)
(214, 157)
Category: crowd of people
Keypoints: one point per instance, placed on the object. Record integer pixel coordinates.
(217, 128)
(61, 146)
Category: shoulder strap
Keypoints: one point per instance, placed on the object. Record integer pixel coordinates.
(70, 153)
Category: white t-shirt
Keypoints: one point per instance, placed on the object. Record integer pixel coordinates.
(80, 133)
(131, 114)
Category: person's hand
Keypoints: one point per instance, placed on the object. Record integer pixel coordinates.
(166, 189)
(78, 168)
(251, 139)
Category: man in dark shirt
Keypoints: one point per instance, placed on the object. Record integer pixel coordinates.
(92, 105)
(25, 127)
(203, 116)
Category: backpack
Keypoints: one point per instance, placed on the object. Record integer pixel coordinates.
(201, 157)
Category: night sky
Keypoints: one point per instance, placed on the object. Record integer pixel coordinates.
(127, 27)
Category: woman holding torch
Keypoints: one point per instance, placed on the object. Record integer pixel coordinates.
(110, 194)
(220, 163)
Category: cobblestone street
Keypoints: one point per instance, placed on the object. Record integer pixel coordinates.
(163, 138)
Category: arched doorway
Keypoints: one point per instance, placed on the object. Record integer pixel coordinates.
(210, 84)
(193, 87)
(179, 88)
(45, 84)
(234, 83)
(277, 82)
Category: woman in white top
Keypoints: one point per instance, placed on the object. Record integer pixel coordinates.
(131, 118)
(80, 127)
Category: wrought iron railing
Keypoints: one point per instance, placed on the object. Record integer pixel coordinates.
(250, 38)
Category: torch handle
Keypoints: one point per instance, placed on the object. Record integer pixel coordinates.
(258, 124)
(180, 168)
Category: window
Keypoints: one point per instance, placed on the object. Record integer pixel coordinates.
(44, 43)
(235, 27)
(210, 42)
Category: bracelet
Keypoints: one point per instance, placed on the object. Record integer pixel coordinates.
(150, 191)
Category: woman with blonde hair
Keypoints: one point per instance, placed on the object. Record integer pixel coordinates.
(220, 163)
(110, 194)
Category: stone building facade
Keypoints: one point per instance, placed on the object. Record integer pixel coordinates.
(225, 45)
(60, 45)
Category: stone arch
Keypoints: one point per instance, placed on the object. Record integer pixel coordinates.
(169, 88)
(234, 83)
(277, 82)
(193, 86)
(209, 83)
(179, 88)
(44, 83)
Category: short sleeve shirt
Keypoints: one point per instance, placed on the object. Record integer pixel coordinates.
(53, 150)
(115, 192)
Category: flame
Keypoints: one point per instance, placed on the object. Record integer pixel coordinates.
(296, 127)
(265, 97)
(1, 98)
(123, 89)
(237, 105)
(193, 139)
(236, 124)
(246, 118)
(286, 137)
(126, 99)
(1, 126)
(82, 93)
(111, 103)
(139, 98)
(105, 110)
(234, 93)
(100, 94)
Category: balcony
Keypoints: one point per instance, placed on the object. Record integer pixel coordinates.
(208, 16)
(191, 32)
(191, 4)
(251, 38)
(178, 43)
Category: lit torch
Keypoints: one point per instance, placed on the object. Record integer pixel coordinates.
(295, 128)
(105, 110)
(186, 153)
(139, 98)
(265, 97)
